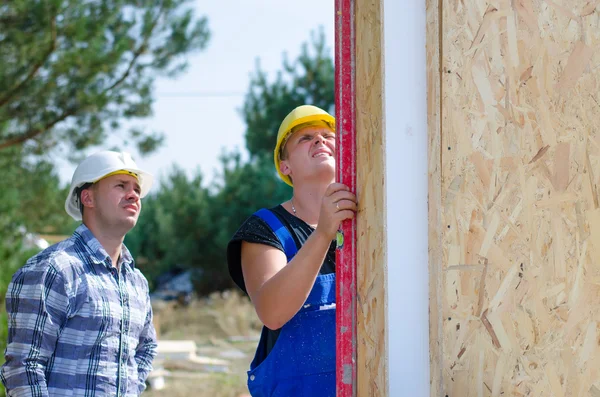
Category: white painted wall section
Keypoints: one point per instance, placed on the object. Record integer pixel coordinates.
(406, 184)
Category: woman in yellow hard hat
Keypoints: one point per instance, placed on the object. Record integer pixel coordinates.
(284, 259)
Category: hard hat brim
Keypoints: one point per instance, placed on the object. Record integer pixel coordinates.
(145, 180)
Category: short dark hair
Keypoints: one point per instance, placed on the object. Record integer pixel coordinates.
(78, 193)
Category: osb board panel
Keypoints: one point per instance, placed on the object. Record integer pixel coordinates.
(433, 57)
(371, 347)
(520, 155)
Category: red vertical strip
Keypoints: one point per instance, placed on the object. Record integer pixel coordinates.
(346, 174)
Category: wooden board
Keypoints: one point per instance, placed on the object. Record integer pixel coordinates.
(433, 57)
(372, 371)
(520, 162)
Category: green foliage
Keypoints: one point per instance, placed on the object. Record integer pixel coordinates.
(173, 226)
(30, 198)
(30, 195)
(70, 70)
(308, 80)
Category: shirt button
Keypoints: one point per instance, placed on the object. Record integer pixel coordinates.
(252, 377)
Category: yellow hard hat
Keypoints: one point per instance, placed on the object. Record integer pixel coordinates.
(302, 115)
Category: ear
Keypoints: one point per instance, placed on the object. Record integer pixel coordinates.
(87, 198)
(284, 167)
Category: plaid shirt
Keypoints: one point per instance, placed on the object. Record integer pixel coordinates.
(77, 326)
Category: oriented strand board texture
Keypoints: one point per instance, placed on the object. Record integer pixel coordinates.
(372, 368)
(520, 157)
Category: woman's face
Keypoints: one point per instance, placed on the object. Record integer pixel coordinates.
(310, 154)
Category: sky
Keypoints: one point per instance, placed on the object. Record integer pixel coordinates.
(199, 112)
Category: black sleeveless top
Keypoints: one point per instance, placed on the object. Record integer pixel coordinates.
(256, 230)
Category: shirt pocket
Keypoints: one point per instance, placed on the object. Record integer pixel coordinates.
(99, 312)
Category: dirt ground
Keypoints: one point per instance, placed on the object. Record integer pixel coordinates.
(224, 326)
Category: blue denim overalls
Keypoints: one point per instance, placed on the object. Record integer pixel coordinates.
(302, 362)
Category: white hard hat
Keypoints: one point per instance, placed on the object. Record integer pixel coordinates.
(98, 166)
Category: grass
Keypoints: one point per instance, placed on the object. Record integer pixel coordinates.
(210, 322)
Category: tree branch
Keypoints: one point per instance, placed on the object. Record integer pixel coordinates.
(137, 53)
(13, 91)
(15, 140)
(35, 132)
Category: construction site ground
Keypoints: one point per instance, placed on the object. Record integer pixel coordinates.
(205, 348)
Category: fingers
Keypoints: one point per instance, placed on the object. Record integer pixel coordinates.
(345, 209)
(342, 195)
(338, 204)
(335, 187)
(346, 214)
(346, 204)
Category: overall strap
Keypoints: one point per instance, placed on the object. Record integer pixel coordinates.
(282, 232)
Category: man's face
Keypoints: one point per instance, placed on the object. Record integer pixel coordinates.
(116, 202)
(310, 153)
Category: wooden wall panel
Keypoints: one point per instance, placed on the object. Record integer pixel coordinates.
(520, 223)
(372, 371)
(433, 57)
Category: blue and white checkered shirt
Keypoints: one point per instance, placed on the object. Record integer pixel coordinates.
(77, 326)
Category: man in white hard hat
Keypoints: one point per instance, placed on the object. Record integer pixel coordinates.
(80, 320)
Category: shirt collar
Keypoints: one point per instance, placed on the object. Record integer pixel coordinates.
(98, 253)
